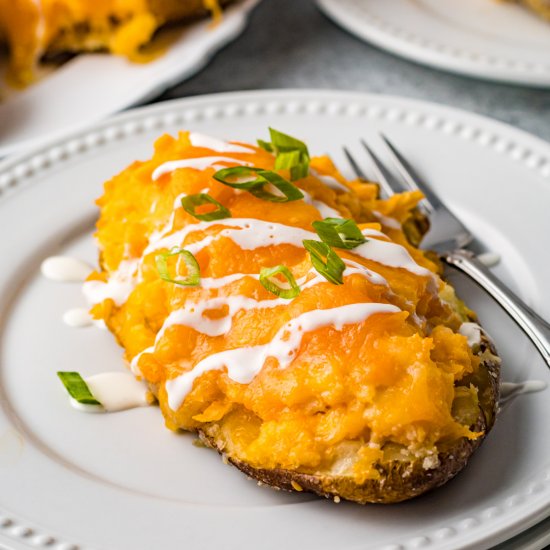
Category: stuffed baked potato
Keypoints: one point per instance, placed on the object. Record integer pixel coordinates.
(283, 314)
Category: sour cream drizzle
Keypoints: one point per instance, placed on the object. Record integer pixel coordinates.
(329, 181)
(324, 209)
(116, 391)
(198, 163)
(248, 234)
(392, 223)
(192, 314)
(78, 317)
(472, 331)
(389, 253)
(244, 363)
(65, 269)
(119, 286)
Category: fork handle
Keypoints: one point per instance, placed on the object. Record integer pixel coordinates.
(532, 324)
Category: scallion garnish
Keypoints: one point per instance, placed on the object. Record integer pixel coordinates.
(77, 388)
(284, 143)
(339, 232)
(326, 261)
(240, 177)
(269, 281)
(193, 270)
(291, 153)
(255, 179)
(289, 191)
(265, 145)
(190, 203)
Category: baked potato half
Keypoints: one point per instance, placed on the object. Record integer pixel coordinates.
(302, 334)
(402, 474)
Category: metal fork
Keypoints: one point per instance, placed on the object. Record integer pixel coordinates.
(448, 236)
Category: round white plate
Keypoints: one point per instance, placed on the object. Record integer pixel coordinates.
(482, 38)
(121, 481)
(92, 86)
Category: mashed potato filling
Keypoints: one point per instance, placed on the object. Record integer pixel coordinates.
(389, 378)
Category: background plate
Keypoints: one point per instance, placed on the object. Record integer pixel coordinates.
(73, 95)
(124, 481)
(481, 38)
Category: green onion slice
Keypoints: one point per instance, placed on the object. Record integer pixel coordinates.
(289, 191)
(260, 178)
(190, 203)
(240, 177)
(292, 154)
(284, 143)
(326, 261)
(193, 270)
(339, 232)
(269, 281)
(295, 161)
(265, 145)
(77, 388)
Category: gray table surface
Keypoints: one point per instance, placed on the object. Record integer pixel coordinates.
(291, 44)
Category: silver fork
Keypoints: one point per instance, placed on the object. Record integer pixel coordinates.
(448, 236)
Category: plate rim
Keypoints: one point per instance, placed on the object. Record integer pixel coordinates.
(413, 47)
(16, 172)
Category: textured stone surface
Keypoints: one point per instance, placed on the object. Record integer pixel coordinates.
(291, 44)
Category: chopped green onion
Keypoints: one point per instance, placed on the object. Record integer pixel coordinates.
(190, 203)
(193, 269)
(285, 143)
(265, 145)
(289, 191)
(288, 160)
(268, 280)
(240, 177)
(230, 176)
(339, 232)
(77, 388)
(292, 154)
(326, 261)
(293, 161)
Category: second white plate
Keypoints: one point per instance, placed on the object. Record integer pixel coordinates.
(482, 38)
(92, 86)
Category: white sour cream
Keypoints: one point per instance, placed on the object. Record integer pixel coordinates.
(78, 317)
(117, 288)
(197, 163)
(329, 181)
(116, 391)
(472, 331)
(65, 269)
(489, 259)
(392, 223)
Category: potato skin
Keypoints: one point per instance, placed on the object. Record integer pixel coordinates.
(399, 480)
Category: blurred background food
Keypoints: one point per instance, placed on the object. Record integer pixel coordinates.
(42, 30)
(542, 7)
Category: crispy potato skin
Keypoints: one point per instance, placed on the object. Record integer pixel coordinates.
(399, 480)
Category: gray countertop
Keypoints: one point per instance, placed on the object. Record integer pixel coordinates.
(291, 44)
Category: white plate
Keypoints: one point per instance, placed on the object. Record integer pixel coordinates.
(123, 480)
(92, 86)
(481, 38)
